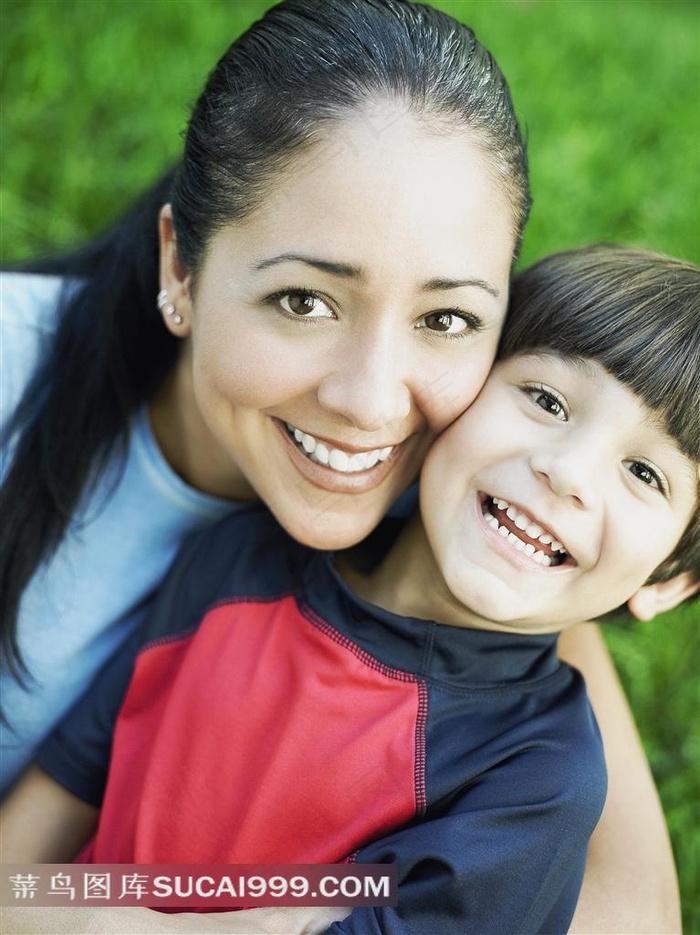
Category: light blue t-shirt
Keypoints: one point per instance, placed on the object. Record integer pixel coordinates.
(98, 586)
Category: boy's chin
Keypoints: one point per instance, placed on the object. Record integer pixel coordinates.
(486, 610)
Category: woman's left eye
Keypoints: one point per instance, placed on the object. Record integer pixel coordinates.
(449, 322)
(647, 474)
(304, 305)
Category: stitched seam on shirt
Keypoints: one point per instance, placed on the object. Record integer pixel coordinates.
(167, 638)
(362, 654)
(428, 644)
(420, 745)
(531, 686)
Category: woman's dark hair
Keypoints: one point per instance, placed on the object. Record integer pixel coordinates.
(637, 314)
(277, 91)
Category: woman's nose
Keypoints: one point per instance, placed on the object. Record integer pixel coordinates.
(366, 383)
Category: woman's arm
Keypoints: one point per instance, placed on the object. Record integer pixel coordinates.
(43, 823)
(630, 883)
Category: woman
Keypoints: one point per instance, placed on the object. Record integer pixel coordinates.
(333, 271)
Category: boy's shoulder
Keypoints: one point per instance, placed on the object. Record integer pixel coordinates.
(246, 555)
(248, 551)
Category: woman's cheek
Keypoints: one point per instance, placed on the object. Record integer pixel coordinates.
(447, 393)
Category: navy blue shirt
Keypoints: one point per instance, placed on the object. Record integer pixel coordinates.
(282, 720)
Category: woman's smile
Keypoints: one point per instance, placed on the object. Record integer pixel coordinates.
(341, 469)
(340, 459)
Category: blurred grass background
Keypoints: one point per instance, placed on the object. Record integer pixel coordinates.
(95, 94)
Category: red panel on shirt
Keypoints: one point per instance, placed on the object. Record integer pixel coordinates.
(264, 737)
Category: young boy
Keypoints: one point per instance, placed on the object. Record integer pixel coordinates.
(287, 706)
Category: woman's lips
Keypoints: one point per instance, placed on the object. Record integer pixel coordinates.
(335, 458)
(335, 476)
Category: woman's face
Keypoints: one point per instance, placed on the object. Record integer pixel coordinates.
(333, 333)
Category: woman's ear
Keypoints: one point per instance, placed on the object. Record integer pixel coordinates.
(174, 300)
(653, 599)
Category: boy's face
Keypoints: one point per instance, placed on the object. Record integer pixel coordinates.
(555, 496)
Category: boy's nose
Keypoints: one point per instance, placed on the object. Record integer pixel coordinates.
(569, 471)
(367, 384)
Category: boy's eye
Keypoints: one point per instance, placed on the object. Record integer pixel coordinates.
(646, 474)
(303, 304)
(450, 322)
(549, 400)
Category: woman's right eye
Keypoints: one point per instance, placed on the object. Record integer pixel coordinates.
(304, 305)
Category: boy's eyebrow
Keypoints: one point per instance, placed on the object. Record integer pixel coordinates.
(350, 271)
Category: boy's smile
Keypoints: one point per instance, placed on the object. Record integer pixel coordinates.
(523, 532)
(551, 500)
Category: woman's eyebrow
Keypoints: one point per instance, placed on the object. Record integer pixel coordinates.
(349, 271)
(345, 270)
(437, 285)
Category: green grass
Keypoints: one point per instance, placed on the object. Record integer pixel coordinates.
(95, 96)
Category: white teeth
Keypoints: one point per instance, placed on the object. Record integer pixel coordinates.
(531, 529)
(358, 462)
(336, 458)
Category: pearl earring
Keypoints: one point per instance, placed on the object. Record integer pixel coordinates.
(167, 307)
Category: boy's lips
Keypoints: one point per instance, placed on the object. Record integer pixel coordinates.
(524, 532)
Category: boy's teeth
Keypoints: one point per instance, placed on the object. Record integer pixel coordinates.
(336, 458)
(531, 529)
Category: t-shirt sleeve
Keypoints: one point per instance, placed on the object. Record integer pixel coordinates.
(506, 855)
(76, 754)
(28, 316)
